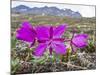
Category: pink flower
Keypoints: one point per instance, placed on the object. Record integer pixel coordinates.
(79, 41)
(26, 33)
(50, 38)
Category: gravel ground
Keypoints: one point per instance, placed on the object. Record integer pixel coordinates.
(84, 62)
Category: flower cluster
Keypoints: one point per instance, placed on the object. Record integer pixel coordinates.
(50, 38)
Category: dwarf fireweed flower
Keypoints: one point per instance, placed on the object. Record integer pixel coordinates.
(50, 37)
(78, 41)
(26, 33)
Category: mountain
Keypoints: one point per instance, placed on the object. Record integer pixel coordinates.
(20, 9)
(54, 11)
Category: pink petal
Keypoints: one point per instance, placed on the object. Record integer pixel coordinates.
(43, 32)
(80, 40)
(59, 47)
(51, 32)
(40, 49)
(59, 31)
(26, 32)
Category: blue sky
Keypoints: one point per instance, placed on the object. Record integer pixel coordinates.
(85, 11)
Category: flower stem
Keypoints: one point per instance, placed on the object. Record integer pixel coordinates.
(50, 50)
(50, 56)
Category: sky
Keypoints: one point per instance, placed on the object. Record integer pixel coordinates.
(84, 10)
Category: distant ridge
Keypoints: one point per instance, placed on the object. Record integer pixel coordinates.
(54, 11)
